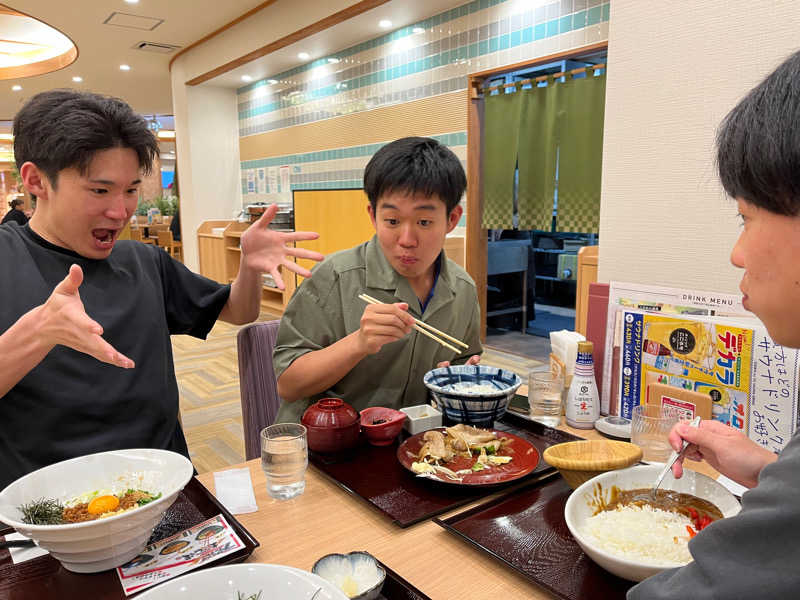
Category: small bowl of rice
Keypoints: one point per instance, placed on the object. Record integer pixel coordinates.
(636, 542)
(472, 394)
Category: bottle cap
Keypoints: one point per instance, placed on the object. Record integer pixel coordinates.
(586, 346)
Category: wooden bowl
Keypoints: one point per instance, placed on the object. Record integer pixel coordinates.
(580, 461)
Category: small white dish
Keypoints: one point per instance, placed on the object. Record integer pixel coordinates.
(421, 417)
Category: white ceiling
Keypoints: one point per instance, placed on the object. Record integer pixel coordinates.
(102, 47)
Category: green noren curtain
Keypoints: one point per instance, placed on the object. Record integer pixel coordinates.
(580, 153)
(537, 156)
(500, 138)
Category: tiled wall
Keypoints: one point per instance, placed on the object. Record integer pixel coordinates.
(423, 60)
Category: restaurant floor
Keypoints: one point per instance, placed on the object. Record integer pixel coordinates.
(208, 380)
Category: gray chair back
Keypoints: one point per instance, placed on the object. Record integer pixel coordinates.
(257, 383)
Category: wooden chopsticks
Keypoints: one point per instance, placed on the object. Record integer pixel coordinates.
(424, 328)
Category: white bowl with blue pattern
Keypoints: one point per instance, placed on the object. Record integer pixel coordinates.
(472, 394)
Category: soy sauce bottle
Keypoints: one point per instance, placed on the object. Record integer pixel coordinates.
(583, 401)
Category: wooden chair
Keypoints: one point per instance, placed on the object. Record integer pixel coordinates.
(136, 234)
(173, 248)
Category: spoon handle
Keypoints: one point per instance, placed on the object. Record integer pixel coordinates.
(674, 456)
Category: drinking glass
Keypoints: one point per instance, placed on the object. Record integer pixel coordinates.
(284, 459)
(545, 392)
(650, 427)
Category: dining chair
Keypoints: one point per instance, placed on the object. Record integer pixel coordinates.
(173, 248)
(136, 235)
(257, 382)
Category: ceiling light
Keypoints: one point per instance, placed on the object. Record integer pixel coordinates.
(6, 136)
(16, 88)
(167, 134)
(333, 60)
(272, 81)
(77, 79)
(132, 1)
(247, 78)
(418, 30)
(384, 23)
(304, 56)
(124, 67)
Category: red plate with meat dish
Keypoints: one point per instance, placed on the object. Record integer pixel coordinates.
(524, 458)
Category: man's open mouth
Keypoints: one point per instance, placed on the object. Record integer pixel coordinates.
(104, 238)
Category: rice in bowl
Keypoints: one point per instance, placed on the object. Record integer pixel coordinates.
(641, 533)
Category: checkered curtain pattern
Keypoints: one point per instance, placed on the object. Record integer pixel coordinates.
(580, 153)
(534, 126)
(500, 138)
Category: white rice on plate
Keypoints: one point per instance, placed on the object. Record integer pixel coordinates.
(644, 534)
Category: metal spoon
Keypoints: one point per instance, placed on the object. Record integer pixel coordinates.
(671, 461)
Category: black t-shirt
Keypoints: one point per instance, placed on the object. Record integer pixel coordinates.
(71, 404)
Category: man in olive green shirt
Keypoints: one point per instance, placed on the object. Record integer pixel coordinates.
(331, 343)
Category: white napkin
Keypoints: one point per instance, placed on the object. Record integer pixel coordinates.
(234, 489)
(19, 555)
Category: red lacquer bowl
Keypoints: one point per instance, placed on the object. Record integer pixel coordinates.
(332, 424)
(381, 425)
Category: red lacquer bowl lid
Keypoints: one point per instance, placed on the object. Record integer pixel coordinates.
(330, 413)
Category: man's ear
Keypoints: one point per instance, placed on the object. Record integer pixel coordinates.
(454, 217)
(34, 180)
(371, 213)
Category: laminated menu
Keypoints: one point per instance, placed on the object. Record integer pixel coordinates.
(752, 382)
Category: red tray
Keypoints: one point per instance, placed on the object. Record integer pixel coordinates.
(526, 530)
(44, 577)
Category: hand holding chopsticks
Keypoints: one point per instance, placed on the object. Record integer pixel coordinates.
(424, 328)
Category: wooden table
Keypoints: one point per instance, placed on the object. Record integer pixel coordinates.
(325, 519)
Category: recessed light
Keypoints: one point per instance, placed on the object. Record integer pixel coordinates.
(132, 1)
(418, 30)
(384, 23)
(247, 78)
(77, 79)
(272, 81)
(304, 56)
(333, 60)
(16, 88)
(124, 67)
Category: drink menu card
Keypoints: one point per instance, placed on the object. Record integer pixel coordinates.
(703, 342)
(177, 554)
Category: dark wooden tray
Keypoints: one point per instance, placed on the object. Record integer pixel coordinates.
(397, 588)
(44, 577)
(526, 530)
(374, 474)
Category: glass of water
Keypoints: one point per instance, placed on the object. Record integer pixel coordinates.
(650, 427)
(545, 392)
(284, 459)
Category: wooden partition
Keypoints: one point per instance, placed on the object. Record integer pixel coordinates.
(339, 216)
(211, 250)
(588, 257)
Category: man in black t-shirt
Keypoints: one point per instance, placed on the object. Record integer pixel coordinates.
(79, 310)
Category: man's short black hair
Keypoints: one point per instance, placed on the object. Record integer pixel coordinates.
(415, 165)
(62, 129)
(758, 143)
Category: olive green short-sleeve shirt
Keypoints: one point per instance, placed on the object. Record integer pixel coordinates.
(326, 308)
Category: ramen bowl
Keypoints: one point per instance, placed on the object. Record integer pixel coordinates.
(583, 504)
(475, 395)
(105, 543)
